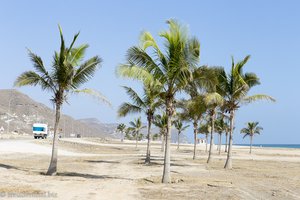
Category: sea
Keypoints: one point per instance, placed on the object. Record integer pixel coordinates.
(294, 146)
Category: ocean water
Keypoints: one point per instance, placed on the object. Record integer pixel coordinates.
(296, 146)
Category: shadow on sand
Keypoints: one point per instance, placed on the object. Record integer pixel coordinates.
(33, 171)
(153, 163)
(89, 176)
(102, 161)
(9, 167)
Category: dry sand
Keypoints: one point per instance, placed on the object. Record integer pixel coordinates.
(95, 169)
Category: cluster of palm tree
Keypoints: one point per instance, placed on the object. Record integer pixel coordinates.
(214, 95)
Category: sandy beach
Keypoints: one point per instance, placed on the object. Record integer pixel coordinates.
(97, 169)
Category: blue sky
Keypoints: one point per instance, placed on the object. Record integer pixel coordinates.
(267, 30)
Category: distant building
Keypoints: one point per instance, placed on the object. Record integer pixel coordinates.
(201, 141)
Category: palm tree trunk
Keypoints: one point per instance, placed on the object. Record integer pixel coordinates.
(226, 146)
(166, 172)
(195, 138)
(147, 160)
(178, 140)
(206, 136)
(167, 159)
(251, 137)
(220, 142)
(211, 138)
(52, 170)
(228, 164)
(162, 142)
(136, 139)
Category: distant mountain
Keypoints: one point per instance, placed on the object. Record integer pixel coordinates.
(105, 128)
(18, 112)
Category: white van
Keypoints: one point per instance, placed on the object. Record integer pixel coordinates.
(40, 130)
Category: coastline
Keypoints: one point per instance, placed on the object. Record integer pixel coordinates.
(283, 146)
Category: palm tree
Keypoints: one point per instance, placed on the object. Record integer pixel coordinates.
(160, 121)
(67, 74)
(146, 104)
(221, 127)
(136, 127)
(121, 128)
(171, 69)
(127, 133)
(251, 129)
(204, 79)
(180, 128)
(205, 129)
(194, 110)
(213, 100)
(234, 88)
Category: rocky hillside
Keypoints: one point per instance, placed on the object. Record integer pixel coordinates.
(18, 112)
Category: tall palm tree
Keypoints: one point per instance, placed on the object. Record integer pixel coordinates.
(147, 104)
(160, 121)
(136, 127)
(180, 128)
(121, 128)
(194, 110)
(251, 129)
(234, 87)
(172, 69)
(67, 73)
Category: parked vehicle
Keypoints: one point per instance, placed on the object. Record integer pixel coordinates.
(40, 130)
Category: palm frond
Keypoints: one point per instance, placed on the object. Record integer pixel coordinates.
(86, 71)
(77, 54)
(135, 73)
(94, 94)
(257, 97)
(251, 79)
(38, 64)
(138, 57)
(127, 108)
(137, 100)
(62, 54)
(31, 78)
(73, 42)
